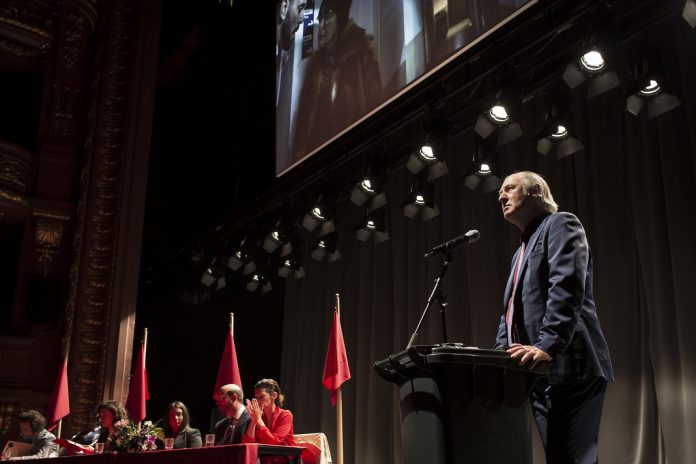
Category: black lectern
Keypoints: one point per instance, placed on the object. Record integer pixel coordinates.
(462, 404)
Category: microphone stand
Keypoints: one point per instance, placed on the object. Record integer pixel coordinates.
(436, 295)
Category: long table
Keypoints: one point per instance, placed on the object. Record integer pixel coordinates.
(251, 453)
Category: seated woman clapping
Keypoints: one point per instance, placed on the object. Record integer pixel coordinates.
(268, 424)
(176, 425)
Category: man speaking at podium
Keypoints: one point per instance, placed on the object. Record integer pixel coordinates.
(550, 317)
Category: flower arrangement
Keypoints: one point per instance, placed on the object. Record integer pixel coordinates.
(131, 438)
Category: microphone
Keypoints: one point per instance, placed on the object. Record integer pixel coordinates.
(469, 237)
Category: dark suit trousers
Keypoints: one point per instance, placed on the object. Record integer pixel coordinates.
(568, 417)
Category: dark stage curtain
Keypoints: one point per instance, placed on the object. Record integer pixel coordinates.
(633, 187)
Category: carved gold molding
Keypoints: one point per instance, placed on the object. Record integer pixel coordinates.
(26, 26)
(48, 233)
(15, 171)
(13, 197)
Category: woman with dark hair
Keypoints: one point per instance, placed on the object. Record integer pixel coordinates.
(176, 425)
(268, 424)
(109, 413)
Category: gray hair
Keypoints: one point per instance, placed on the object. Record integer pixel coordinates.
(529, 180)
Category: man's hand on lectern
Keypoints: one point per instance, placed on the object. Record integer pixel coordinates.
(526, 353)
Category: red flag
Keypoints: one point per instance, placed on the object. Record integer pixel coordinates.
(137, 391)
(59, 404)
(336, 370)
(228, 372)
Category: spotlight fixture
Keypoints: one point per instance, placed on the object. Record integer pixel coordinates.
(431, 154)
(291, 266)
(592, 67)
(496, 119)
(483, 170)
(214, 275)
(689, 13)
(372, 225)
(595, 62)
(370, 187)
(649, 91)
(420, 200)
(258, 281)
(275, 238)
(239, 256)
(319, 214)
(326, 246)
(482, 173)
(556, 135)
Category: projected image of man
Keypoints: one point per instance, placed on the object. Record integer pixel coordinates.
(289, 16)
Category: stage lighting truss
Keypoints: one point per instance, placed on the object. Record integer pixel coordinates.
(592, 66)
(556, 135)
(326, 246)
(421, 200)
(431, 154)
(649, 92)
(483, 172)
(496, 119)
(372, 225)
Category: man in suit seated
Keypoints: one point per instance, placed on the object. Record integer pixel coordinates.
(231, 429)
(32, 429)
(550, 317)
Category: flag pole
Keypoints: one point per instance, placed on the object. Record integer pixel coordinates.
(60, 426)
(339, 404)
(145, 346)
(144, 356)
(232, 323)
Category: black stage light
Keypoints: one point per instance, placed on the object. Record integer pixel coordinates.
(259, 282)
(369, 187)
(326, 246)
(556, 135)
(482, 173)
(591, 66)
(291, 266)
(649, 91)
(431, 154)
(319, 214)
(372, 225)
(420, 200)
(496, 119)
(239, 256)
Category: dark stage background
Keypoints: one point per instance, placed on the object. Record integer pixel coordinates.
(631, 188)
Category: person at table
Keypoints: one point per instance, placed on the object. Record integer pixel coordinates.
(109, 413)
(231, 429)
(32, 430)
(268, 423)
(176, 426)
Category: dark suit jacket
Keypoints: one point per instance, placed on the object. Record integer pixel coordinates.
(40, 441)
(188, 438)
(554, 306)
(239, 430)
